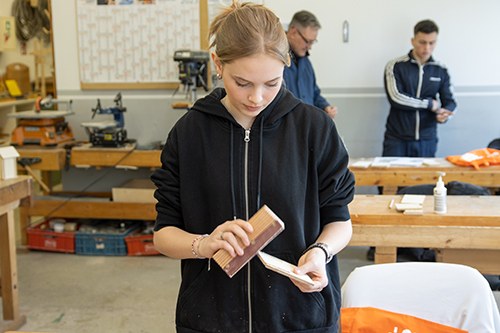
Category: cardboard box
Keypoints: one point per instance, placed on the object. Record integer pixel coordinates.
(135, 190)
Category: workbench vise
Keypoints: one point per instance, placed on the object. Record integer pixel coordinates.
(108, 133)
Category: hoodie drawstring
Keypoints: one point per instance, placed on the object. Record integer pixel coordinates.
(259, 178)
(231, 168)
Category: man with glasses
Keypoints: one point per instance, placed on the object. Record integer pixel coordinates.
(299, 76)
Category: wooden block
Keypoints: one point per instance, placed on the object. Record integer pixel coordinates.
(400, 207)
(135, 190)
(413, 212)
(181, 105)
(266, 226)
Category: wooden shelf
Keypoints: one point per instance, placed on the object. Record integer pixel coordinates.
(109, 157)
(67, 208)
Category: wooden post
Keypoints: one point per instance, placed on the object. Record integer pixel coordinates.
(40, 52)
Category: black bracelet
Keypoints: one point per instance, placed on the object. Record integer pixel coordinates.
(324, 247)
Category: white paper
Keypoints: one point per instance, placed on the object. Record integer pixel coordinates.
(413, 199)
(361, 164)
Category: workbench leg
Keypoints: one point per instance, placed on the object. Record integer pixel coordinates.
(384, 254)
(12, 320)
(47, 178)
(389, 190)
(24, 223)
(8, 267)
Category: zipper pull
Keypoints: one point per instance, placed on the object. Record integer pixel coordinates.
(247, 136)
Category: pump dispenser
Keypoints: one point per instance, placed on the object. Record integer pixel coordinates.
(440, 196)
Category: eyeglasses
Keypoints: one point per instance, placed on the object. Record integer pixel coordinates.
(307, 41)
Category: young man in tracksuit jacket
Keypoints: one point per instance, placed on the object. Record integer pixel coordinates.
(413, 83)
(291, 159)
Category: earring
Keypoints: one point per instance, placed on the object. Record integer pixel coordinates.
(219, 77)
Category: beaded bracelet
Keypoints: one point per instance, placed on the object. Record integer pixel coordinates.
(195, 251)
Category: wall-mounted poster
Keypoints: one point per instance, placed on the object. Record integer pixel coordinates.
(133, 41)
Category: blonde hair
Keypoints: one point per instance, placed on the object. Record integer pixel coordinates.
(246, 29)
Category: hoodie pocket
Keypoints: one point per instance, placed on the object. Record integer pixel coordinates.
(282, 306)
(212, 302)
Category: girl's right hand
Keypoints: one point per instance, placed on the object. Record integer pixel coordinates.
(231, 236)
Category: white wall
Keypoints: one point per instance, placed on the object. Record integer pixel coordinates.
(382, 29)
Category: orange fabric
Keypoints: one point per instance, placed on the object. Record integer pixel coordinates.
(477, 158)
(373, 320)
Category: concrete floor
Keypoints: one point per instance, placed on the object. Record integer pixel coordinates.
(79, 294)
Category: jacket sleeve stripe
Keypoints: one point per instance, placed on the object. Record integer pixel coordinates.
(392, 89)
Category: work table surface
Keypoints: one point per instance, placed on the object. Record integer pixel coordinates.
(462, 210)
(404, 175)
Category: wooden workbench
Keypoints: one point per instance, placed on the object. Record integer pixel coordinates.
(55, 159)
(392, 177)
(12, 193)
(469, 233)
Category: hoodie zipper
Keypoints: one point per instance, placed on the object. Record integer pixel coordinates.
(247, 142)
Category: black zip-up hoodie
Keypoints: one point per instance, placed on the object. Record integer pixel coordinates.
(294, 162)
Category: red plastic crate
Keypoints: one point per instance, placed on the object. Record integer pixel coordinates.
(140, 245)
(48, 240)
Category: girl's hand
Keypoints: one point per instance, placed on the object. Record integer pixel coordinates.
(231, 236)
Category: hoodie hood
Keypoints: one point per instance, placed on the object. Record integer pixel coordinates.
(283, 103)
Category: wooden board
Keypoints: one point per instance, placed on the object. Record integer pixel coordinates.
(125, 157)
(426, 236)
(92, 209)
(266, 227)
(52, 159)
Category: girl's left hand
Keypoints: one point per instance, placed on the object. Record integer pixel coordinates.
(312, 263)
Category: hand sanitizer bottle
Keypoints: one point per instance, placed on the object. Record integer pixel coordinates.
(440, 197)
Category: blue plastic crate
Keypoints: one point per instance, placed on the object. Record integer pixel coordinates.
(102, 243)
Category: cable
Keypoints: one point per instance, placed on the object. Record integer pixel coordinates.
(31, 21)
(27, 22)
